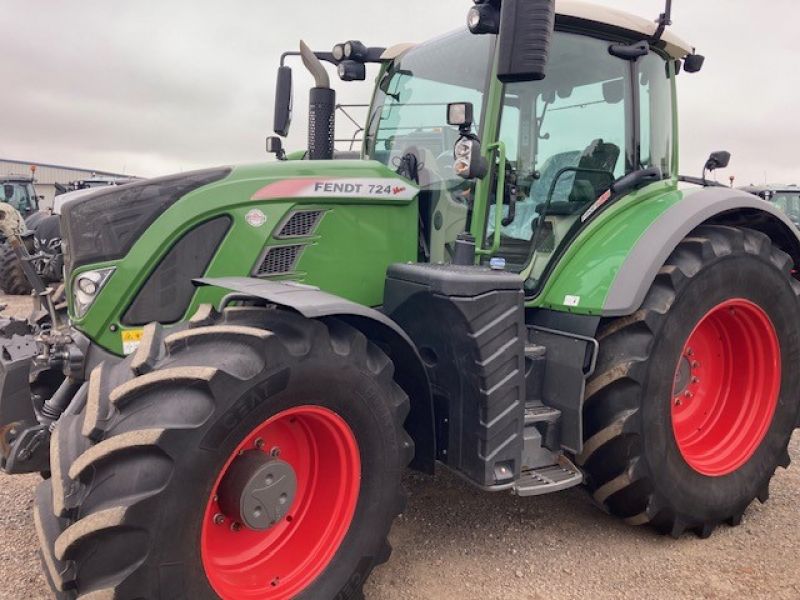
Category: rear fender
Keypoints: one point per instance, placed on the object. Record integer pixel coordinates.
(609, 267)
(410, 373)
(659, 240)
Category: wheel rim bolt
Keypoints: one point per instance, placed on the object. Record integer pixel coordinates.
(275, 452)
(695, 364)
(236, 527)
(259, 443)
(219, 519)
(695, 380)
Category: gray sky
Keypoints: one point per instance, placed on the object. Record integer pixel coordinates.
(151, 87)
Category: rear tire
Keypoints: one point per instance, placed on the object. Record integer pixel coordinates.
(661, 421)
(12, 277)
(136, 507)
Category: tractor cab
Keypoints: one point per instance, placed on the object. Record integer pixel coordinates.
(19, 193)
(557, 143)
(784, 197)
(554, 142)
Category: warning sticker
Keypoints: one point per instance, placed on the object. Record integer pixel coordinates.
(572, 301)
(131, 338)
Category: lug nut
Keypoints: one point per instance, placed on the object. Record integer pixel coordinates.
(236, 527)
(689, 352)
(695, 380)
(259, 443)
(219, 519)
(275, 452)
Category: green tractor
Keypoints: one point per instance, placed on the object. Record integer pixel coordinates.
(18, 191)
(784, 197)
(508, 282)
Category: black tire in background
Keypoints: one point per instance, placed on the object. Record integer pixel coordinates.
(12, 277)
(136, 470)
(642, 464)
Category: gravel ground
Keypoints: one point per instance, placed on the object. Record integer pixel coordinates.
(457, 543)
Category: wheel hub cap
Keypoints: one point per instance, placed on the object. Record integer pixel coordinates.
(257, 491)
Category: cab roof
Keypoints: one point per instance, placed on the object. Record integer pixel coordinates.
(594, 14)
(621, 20)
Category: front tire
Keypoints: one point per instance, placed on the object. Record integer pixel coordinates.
(12, 277)
(695, 396)
(152, 479)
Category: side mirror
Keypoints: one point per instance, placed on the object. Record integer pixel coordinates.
(283, 101)
(275, 146)
(526, 30)
(718, 160)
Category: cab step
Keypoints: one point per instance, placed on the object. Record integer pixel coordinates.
(546, 480)
(541, 414)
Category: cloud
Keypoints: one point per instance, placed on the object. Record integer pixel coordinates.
(152, 87)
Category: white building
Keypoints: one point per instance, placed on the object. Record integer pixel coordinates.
(46, 176)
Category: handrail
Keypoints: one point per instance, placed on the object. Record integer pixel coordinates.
(498, 200)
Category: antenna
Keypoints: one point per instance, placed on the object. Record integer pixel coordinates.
(664, 20)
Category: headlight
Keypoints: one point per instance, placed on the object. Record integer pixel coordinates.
(86, 287)
(469, 164)
(464, 149)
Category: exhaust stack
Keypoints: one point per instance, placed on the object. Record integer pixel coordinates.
(321, 108)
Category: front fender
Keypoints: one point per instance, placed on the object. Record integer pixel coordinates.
(313, 303)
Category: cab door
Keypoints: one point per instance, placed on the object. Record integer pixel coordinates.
(567, 139)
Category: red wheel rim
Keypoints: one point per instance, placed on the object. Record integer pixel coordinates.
(284, 560)
(726, 388)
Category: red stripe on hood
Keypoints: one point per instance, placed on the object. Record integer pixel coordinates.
(286, 188)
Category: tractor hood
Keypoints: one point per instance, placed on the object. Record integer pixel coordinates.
(336, 225)
(104, 225)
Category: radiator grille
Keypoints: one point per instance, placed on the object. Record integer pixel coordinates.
(301, 224)
(279, 260)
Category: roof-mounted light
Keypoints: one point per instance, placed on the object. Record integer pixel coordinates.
(483, 18)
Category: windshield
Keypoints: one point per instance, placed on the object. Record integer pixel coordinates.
(409, 113)
(19, 195)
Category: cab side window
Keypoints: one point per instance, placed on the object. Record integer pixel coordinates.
(568, 139)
